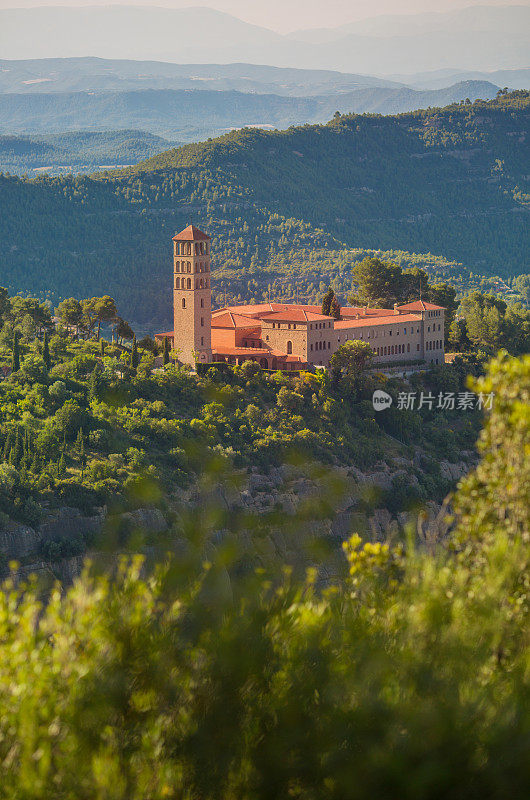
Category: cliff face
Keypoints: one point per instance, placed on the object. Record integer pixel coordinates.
(296, 516)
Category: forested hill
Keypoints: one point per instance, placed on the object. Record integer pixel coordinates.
(451, 182)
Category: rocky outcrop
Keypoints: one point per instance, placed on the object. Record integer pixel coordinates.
(309, 513)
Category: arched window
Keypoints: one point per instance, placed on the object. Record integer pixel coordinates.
(189, 266)
(177, 266)
(202, 303)
(408, 348)
(201, 283)
(289, 347)
(183, 302)
(177, 283)
(189, 283)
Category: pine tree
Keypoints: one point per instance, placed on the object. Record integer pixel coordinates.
(327, 300)
(46, 352)
(165, 353)
(134, 354)
(15, 362)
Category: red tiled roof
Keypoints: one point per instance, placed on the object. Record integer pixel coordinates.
(365, 323)
(227, 319)
(167, 333)
(256, 310)
(352, 311)
(190, 234)
(295, 315)
(421, 305)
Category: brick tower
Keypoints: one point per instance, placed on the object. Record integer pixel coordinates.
(192, 296)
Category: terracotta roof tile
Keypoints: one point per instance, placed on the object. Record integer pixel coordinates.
(191, 234)
(420, 305)
(228, 319)
(295, 315)
(345, 324)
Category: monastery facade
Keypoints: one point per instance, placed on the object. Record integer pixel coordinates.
(287, 336)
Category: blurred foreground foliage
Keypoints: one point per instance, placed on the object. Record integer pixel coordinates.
(409, 678)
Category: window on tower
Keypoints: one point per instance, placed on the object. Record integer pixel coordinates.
(177, 283)
(189, 283)
(183, 302)
(202, 303)
(177, 266)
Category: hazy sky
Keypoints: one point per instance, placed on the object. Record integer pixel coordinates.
(288, 15)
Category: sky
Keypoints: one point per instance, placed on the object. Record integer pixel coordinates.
(288, 15)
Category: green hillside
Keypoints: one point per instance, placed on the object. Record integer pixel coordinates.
(77, 151)
(449, 182)
(189, 116)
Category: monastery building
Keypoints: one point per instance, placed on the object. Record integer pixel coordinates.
(286, 336)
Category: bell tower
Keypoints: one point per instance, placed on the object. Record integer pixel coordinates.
(192, 296)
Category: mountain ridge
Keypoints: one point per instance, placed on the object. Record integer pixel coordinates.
(188, 115)
(150, 33)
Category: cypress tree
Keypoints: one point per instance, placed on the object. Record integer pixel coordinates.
(165, 354)
(134, 354)
(17, 449)
(93, 385)
(80, 450)
(15, 361)
(335, 309)
(35, 464)
(8, 444)
(102, 345)
(46, 352)
(61, 467)
(327, 300)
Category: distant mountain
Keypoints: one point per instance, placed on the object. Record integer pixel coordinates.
(448, 182)
(511, 78)
(98, 74)
(478, 38)
(508, 20)
(192, 115)
(77, 152)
